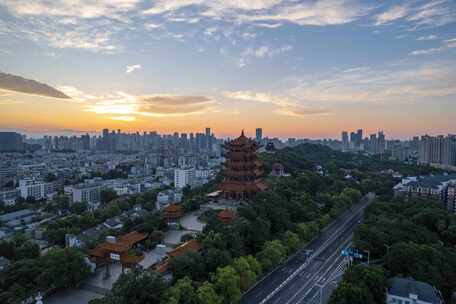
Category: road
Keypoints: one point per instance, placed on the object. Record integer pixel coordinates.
(298, 279)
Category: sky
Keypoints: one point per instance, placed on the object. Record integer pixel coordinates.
(296, 68)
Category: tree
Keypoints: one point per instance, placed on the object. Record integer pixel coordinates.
(371, 278)
(307, 230)
(227, 285)
(181, 293)
(291, 240)
(206, 294)
(137, 287)
(63, 268)
(107, 195)
(248, 269)
(8, 250)
(28, 250)
(190, 264)
(272, 254)
(79, 207)
(349, 293)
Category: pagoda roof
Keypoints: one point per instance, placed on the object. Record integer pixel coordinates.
(190, 246)
(226, 215)
(130, 259)
(123, 244)
(173, 208)
(242, 140)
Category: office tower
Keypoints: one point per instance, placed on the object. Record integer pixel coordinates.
(344, 139)
(11, 141)
(381, 145)
(359, 137)
(258, 134)
(373, 143)
(208, 138)
(352, 139)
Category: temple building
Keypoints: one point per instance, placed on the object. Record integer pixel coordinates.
(242, 169)
(173, 213)
(226, 216)
(117, 250)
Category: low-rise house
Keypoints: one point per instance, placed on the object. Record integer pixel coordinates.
(115, 223)
(409, 291)
(278, 170)
(18, 218)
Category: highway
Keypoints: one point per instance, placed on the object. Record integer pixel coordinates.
(298, 280)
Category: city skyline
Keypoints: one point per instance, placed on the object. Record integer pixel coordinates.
(297, 69)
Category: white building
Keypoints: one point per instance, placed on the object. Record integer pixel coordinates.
(409, 291)
(89, 193)
(36, 188)
(184, 177)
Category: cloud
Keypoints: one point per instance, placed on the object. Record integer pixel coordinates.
(79, 24)
(123, 118)
(434, 13)
(446, 45)
(262, 12)
(261, 52)
(23, 85)
(163, 105)
(76, 9)
(285, 106)
(269, 25)
(419, 14)
(132, 68)
(126, 107)
(10, 102)
(298, 111)
(392, 14)
(394, 84)
(426, 38)
(152, 26)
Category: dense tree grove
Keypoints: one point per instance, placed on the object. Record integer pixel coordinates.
(411, 239)
(361, 284)
(59, 268)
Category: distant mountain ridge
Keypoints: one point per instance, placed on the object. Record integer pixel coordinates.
(28, 86)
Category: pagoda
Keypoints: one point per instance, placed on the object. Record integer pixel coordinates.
(242, 169)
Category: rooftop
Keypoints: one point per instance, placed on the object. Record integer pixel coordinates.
(403, 287)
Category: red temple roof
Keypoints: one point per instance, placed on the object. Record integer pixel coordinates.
(226, 216)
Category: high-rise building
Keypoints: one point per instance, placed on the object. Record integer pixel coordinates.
(437, 149)
(11, 141)
(345, 142)
(381, 145)
(353, 139)
(258, 134)
(208, 138)
(359, 137)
